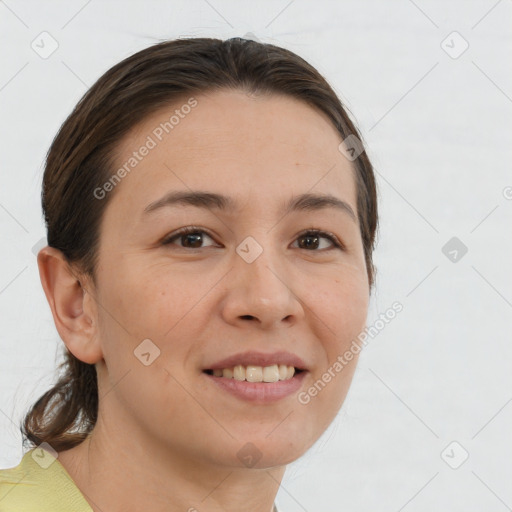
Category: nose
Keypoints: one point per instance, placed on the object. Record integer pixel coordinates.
(261, 292)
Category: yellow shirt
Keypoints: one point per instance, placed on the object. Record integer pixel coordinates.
(39, 483)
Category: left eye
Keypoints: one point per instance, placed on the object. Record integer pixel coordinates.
(313, 239)
(192, 238)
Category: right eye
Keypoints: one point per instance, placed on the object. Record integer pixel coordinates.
(190, 236)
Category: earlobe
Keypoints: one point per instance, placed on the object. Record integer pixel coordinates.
(74, 315)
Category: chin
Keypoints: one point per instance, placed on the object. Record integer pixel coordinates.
(261, 450)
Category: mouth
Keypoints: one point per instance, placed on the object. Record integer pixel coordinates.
(257, 384)
(254, 373)
(257, 377)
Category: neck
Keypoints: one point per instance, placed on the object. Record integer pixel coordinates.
(119, 474)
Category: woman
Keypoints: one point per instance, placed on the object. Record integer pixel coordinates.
(211, 216)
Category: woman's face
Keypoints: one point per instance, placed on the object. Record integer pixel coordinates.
(251, 278)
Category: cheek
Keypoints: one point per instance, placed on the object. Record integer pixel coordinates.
(341, 311)
(342, 307)
(148, 303)
(162, 306)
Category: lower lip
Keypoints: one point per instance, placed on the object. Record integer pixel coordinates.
(259, 392)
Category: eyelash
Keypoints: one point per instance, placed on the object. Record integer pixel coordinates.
(311, 231)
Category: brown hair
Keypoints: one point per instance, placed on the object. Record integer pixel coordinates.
(81, 159)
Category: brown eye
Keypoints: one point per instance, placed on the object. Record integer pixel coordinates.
(190, 238)
(312, 240)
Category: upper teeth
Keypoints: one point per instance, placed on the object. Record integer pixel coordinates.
(257, 373)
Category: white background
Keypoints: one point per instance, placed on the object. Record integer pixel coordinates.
(438, 130)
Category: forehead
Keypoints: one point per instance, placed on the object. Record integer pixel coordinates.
(248, 146)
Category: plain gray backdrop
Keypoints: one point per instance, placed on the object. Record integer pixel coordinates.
(427, 422)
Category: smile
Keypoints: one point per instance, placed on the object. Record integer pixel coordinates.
(258, 392)
(253, 373)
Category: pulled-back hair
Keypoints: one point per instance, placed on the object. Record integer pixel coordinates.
(81, 160)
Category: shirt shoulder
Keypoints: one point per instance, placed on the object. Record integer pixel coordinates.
(39, 483)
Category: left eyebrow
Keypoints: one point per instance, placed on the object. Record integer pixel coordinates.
(210, 200)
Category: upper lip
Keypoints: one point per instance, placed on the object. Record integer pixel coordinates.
(259, 359)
